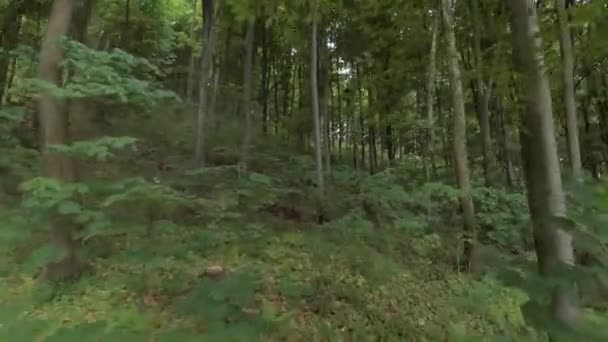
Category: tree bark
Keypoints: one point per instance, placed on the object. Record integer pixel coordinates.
(266, 69)
(314, 85)
(483, 100)
(324, 84)
(430, 87)
(460, 147)
(53, 121)
(192, 62)
(247, 77)
(504, 144)
(339, 109)
(565, 41)
(554, 246)
(126, 25)
(205, 79)
(9, 37)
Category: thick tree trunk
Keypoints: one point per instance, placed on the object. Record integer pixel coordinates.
(460, 147)
(53, 121)
(554, 246)
(314, 86)
(247, 108)
(565, 41)
(205, 79)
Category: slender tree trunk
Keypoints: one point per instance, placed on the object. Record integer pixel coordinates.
(505, 143)
(265, 79)
(277, 104)
(314, 85)
(430, 86)
(339, 101)
(483, 100)
(5, 96)
(554, 246)
(224, 76)
(213, 102)
(53, 120)
(192, 62)
(12, 67)
(247, 78)
(205, 79)
(126, 24)
(565, 41)
(324, 84)
(460, 147)
(287, 91)
(442, 118)
(10, 39)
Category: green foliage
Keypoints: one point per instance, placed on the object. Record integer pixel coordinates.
(114, 77)
(100, 149)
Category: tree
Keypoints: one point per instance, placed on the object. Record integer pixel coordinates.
(53, 121)
(430, 87)
(565, 41)
(314, 85)
(546, 200)
(247, 108)
(192, 63)
(483, 99)
(205, 80)
(9, 38)
(460, 139)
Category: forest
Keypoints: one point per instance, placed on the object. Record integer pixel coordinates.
(303, 170)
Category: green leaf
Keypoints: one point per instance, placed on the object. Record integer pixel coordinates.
(69, 208)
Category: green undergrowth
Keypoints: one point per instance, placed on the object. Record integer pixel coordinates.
(280, 284)
(378, 270)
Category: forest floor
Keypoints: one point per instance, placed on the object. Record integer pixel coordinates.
(282, 277)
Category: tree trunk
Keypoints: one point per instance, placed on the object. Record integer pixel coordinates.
(554, 246)
(192, 62)
(53, 121)
(324, 84)
(10, 39)
(441, 123)
(339, 109)
(565, 41)
(430, 87)
(247, 77)
(126, 25)
(504, 144)
(460, 147)
(213, 102)
(314, 85)
(266, 69)
(205, 79)
(483, 100)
